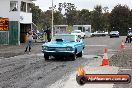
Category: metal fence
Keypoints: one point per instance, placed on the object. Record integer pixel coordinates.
(4, 37)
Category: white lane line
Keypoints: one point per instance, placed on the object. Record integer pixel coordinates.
(95, 45)
(125, 69)
(90, 56)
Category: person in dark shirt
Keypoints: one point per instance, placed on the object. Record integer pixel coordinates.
(48, 32)
(129, 37)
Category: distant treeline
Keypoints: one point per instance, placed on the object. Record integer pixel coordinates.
(120, 18)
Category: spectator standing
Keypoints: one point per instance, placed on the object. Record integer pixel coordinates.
(29, 40)
(48, 32)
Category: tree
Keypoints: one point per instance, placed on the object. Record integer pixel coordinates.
(97, 18)
(130, 20)
(120, 19)
(47, 17)
(58, 18)
(84, 17)
(70, 12)
(37, 16)
(71, 17)
(106, 21)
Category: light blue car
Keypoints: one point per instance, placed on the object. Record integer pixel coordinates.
(64, 45)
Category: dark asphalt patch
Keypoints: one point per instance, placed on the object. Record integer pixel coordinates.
(123, 59)
(95, 57)
(40, 78)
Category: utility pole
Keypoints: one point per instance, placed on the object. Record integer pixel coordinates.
(52, 21)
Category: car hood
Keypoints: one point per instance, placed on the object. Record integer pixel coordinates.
(59, 44)
(113, 33)
(76, 33)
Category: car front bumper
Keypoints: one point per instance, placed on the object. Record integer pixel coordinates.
(58, 53)
(114, 35)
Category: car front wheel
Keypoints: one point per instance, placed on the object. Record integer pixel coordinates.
(73, 57)
(46, 57)
(79, 54)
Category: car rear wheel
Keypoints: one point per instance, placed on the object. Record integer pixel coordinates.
(46, 57)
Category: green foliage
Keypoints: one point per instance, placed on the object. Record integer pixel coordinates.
(97, 19)
(71, 17)
(58, 18)
(37, 15)
(84, 17)
(120, 19)
(130, 19)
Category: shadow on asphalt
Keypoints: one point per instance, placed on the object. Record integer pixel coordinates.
(60, 59)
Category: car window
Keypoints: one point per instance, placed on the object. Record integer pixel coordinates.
(64, 37)
(78, 38)
(114, 32)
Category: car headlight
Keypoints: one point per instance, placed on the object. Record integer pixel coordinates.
(44, 47)
(69, 48)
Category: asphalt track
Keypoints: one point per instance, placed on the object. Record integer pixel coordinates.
(32, 71)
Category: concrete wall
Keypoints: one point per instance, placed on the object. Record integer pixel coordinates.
(25, 18)
(87, 27)
(14, 15)
(5, 11)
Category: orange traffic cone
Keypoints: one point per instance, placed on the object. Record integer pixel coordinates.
(105, 61)
(81, 72)
(122, 45)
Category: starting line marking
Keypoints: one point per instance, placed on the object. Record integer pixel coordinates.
(96, 45)
(125, 69)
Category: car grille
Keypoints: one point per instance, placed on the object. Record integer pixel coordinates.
(113, 34)
(51, 49)
(56, 49)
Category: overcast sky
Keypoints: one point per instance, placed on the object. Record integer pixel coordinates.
(84, 4)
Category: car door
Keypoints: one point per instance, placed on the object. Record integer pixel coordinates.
(79, 44)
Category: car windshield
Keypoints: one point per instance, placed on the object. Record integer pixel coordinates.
(64, 37)
(114, 31)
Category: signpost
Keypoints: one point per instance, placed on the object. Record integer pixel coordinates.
(52, 19)
(4, 23)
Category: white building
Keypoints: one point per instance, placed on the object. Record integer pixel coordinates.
(83, 28)
(20, 20)
(68, 29)
(60, 28)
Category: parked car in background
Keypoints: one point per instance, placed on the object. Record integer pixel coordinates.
(78, 32)
(99, 33)
(64, 45)
(114, 34)
(129, 37)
